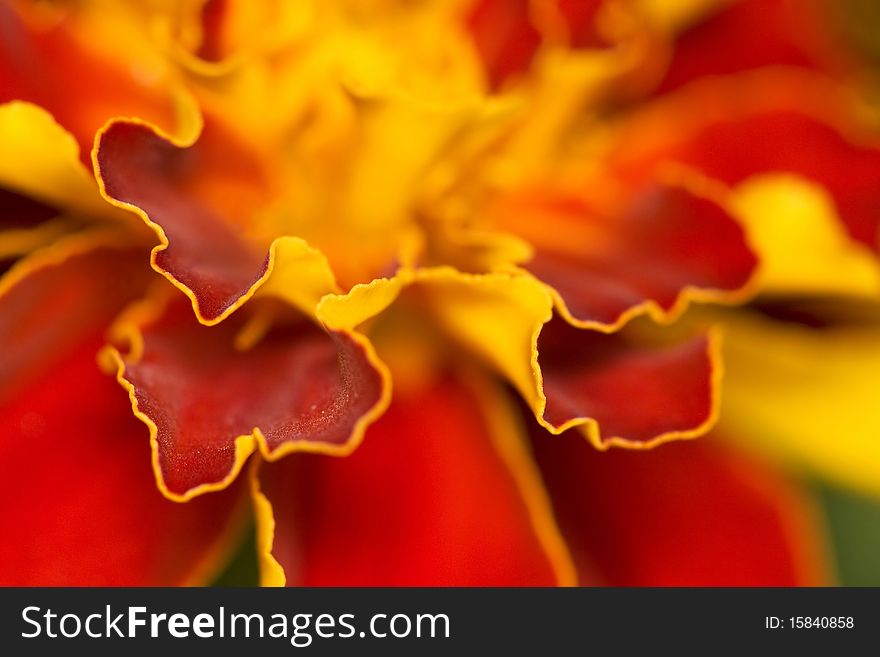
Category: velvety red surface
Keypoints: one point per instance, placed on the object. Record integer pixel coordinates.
(634, 392)
(299, 384)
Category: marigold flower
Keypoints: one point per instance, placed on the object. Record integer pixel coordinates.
(484, 292)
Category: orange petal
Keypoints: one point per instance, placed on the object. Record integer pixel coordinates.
(200, 199)
(49, 64)
(209, 402)
(427, 499)
(80, 504)
(51, 301)
(625, 394)
(654, 251)
(686, 514)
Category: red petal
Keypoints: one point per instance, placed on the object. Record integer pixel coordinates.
(213, 14)
(80, 504)
(425, 500)
(200, 198)
(208, 402)
(748, 34)
(731, 129)
(653, 251)
(638, 395)
(797, 143)
(505, 38)
(53, 300)
(580, 18)
(686, 514)
(50, 67)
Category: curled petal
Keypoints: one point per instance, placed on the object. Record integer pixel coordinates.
(626, 394)
(569, 376)
(81, 508)
(690, 514)
(660, 248)
(198, 199)
(497, 316)
(210, 396)
(440, 493)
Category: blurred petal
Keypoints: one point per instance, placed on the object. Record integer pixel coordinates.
(802, 244)
(441, 492)
(47, 162)
(58, 64)
(805, 396)
(54, 299)
(26, 224)
(804, 125)
(686, 514)
(748, 34)
(210, 397)
(505, 37)
(81, 507)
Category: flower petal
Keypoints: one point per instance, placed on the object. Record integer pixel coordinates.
(803, 244)
(625, 394)
(804, 125)
(434, 496)
(209, 398)
(47, 162)
(749, 34)
(80, 504)
(198, 199)
(609, 260)
(505, 38)
(805, 397)
(569, 376)
(41, 61)
(55, 298)
(687, 514)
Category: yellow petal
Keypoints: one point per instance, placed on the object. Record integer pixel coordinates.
(805, 397)
(803, 247)
(498, 316)
(46, 165)
(298, 274)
